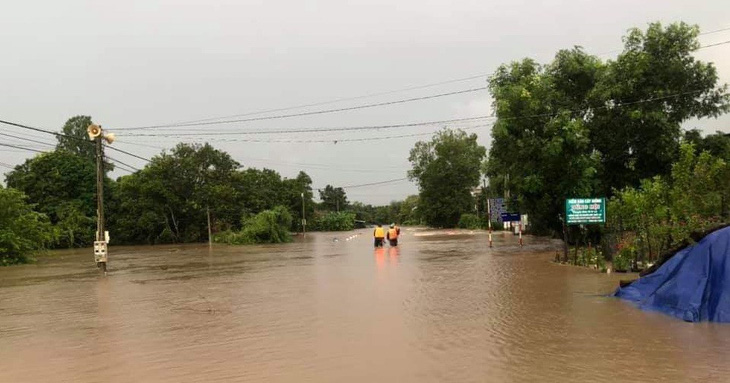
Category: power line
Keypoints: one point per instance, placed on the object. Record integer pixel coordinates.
(27, 139)
(371, 183)
(68, 136)
(326, 111)
(138, 144)
(375, 127)
(6, 165)
(714, 45)
(21, 147)
(715, 31)
(315, 130)
(336, 100)
(701, 34)
(321, 167)
(128, 153)
(122, 163)
(335, 140)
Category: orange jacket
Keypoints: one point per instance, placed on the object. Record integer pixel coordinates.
(393, 234)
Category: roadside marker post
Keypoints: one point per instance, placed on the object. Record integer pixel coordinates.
(489, 221)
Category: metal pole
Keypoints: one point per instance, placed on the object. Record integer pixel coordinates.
(565, 240)
(489, 220)
(210, 236)
(520, 223)
(304, 220)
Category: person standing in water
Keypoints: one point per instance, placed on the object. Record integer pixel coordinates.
(379, 235)
(393, 235)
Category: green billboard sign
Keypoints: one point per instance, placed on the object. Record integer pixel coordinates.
(585, 210)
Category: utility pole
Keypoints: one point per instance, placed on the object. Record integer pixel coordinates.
(304, 220)
(489, 211)
(96, 134)
(210, 236)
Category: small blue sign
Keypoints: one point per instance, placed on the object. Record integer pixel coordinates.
(497, 208)
(511, 217)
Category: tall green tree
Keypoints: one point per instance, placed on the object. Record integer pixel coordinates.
(168, 200)
(61, 185)
(642, 99)
(298, 191)
(541, 152)
(75, 138)
(446, 168)
(333, 199)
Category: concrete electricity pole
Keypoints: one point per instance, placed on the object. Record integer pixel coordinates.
(96, 134)
(304, 220)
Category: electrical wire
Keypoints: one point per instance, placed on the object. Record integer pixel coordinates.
(127, 153)
(334, 140)
(337, 100)
(326, 111)
(322, 167)
(715, 31)
(27, 139)
(714, 45)
(120, 162)
(6, 165)
(69, 136)
(371, 183)
(21, 147)
(376, 127)
(315, 130)
(392, 126)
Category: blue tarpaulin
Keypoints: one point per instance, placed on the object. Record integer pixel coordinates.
(693, 285)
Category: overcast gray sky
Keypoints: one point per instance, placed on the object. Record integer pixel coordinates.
(136, 63)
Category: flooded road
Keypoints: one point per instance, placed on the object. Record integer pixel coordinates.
(440, 307)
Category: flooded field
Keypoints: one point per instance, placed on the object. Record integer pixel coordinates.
(440, 307)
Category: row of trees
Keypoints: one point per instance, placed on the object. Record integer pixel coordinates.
(167, 201)
(580, 126)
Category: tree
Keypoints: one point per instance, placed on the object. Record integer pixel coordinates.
(408, 211)
(333, 199)
(717, 144)
(75, 138)
(61, 185)
(446, 168)
(22, 230)
(298, 191)
(579, 127)
(543, 159)
(642, 98)
(168, 200)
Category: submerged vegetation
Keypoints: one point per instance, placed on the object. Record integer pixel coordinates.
(269, 226)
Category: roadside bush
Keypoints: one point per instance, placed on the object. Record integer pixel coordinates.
(624, 258)
(333, 221)
(469, 221)
(22, 230)
(269, 226)
(664, 211)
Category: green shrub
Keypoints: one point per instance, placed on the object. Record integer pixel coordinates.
(469, 221)
(22, 230)
(333, 221)
(269, 226)
(624, 258)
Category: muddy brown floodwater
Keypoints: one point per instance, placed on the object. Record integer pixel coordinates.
(442, 307)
